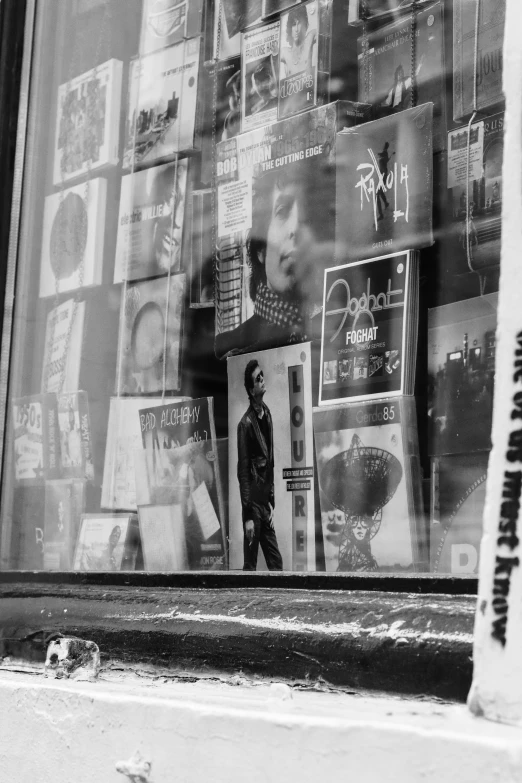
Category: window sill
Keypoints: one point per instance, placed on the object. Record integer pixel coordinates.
(405, 643)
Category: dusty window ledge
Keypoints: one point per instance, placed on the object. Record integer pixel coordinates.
(400, 643)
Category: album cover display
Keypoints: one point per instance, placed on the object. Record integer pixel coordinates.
(201, 253)
(458, 496)
(492, 16)
(162, 104)
(123, 441)
(149, 346)
(64, 505)
(265, 291)
(167, 22)
(271, 475)
(36, 438)
(72, 238)
(63, 347)
(461, 373)
(384, 194)
(228, 98)
(480, 198)
(369, 336)
(369, 486)
(107, 542)
(88, 122)
(259, 76)
(151, 222)
(74, 425)
(385, 66)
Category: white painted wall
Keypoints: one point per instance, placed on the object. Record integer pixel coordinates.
(222, 733)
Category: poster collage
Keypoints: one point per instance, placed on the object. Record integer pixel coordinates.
(266, 290)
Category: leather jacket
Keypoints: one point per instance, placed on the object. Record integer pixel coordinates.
(255, 465)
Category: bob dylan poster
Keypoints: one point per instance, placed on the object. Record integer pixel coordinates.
(364, 327)
(287, 383)
(276, 213)
(363, 488)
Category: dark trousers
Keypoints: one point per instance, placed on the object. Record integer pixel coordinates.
(264, 535)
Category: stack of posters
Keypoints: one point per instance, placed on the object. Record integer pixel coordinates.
(369, 336)
(386, 55)
(476, 205)
(271, 181)
(385, 186)
(107, 542)
(88, 122)
(36, 438)
(489, 45)
(149, 347)
(179, 485)
(370, 492)
(64, 505)
(271, 476)
(162, 105)
(73, 237)
(151, 222)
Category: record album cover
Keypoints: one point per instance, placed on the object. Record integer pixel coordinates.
(64, 505)
(123, 441)
(385, 66)
(63, 347)
(385, 186)
(74, 424)
(458, 496)
(298, 59)
(36, 438)
(162, 104)
(107, 542)
(88, 122)
(368, 346)
(151, 222)
(228, 98)
(365, 485)
(492, 16)
(167, 22)
(259, 76)
(268, 278)
(239, 15)
(272, 7)
(72, 238)
(149, 346)
(481, 198)
(461, 374)
(271, 475)
(358, 10)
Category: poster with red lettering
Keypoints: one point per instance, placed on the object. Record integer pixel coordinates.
(271, 475)
(369, 334)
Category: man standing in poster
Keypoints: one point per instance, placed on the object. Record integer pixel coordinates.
(255, 472)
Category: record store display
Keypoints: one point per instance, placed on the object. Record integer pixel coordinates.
(254, 315)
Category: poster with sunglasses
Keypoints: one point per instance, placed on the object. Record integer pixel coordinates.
(151, 222)
(369, 486)
(149, 346)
